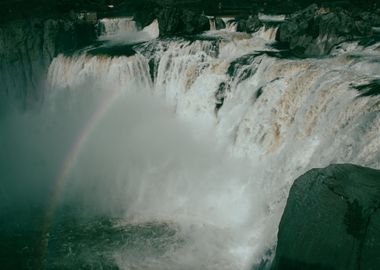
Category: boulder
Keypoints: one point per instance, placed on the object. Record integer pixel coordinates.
(331, 221)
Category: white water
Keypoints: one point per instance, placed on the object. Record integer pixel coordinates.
(267, 33)
(271, 18)
(222, 176)
(231, 24)
(117, 26)
(212, 23)
(124, 30)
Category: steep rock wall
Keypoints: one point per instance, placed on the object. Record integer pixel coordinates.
(27, 48)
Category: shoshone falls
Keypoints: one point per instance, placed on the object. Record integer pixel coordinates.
(151, 152)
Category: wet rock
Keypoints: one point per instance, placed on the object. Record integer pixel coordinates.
(369, 89)
(314, 31)
(220, 24)
(331, 221)
(220, 95)
(249, 25)
(175, 21)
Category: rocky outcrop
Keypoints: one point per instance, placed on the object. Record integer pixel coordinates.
(249, 25)
(331, 221)
(314, 31)
(145, 13)
(172, 21)
(28, 46)
(175, 21)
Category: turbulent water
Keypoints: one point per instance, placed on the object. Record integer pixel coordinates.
(189, 146)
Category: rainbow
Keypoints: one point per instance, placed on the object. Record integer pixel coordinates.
(68, 165)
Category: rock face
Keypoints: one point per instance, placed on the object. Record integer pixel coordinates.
(172, 21)
(331, 221)
(314, 31)
(175, 21)
(220, 24)
(249, 25)
(27, 48)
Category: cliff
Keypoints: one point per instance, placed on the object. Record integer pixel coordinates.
(331, 221)
(28, 46)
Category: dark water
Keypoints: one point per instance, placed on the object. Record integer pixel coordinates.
(79, 241)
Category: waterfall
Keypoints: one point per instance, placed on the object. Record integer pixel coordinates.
(116, 26)
(267, 33)
(67, 73)
(231, 24)
(212, 23)
(152, 30)
(204, 137)
(124, 30)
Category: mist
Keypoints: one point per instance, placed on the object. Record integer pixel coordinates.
(130, 158)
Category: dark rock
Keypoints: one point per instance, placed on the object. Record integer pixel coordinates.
(244, 67)
(27, 48)
(249, 25)
(259, 92)
(331, 221)
(315, 31)
(220, 96)
(216, 23)
(146, 13)
(175, 21)
(73, 35)
(369, 89)
(371, 17)
(220, 24)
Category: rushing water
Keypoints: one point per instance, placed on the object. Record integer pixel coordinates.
(180, 155)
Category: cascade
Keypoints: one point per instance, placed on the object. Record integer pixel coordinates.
(153, 29)
(124, 30)
(116, 26)
(212, 23)
(267, 33)
(231, 24)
